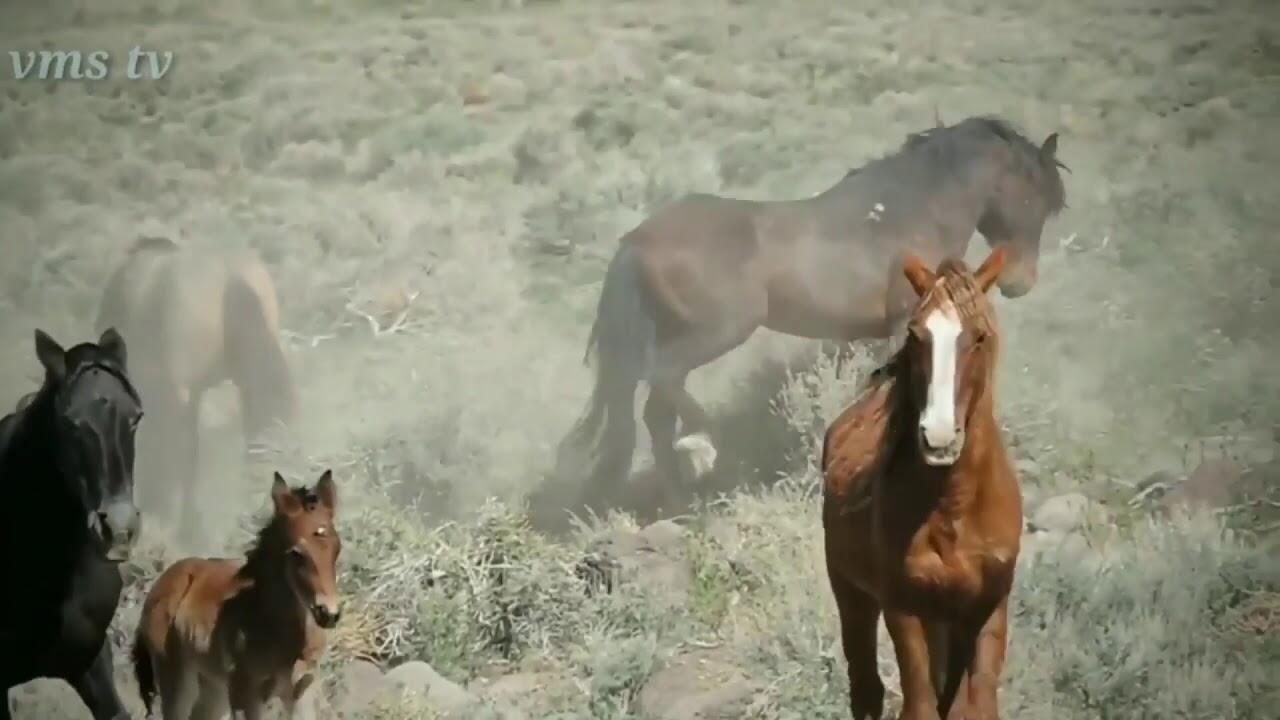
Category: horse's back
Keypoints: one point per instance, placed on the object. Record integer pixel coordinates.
(183, 604)
(132, 284)
(698, 218)
(170, 300)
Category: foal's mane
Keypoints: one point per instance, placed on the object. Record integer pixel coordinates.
(272, 540)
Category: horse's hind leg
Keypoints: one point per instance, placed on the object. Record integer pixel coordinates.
(674, 358)
(859, 614)
(188, 425)
(179, 689)
(97, 688)
(213, 702)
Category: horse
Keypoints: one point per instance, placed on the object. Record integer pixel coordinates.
(67, 520)
(222, 635)
(196, 319)
(922, 511)
(697, 278)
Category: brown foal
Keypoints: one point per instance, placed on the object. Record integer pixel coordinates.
(221, 634)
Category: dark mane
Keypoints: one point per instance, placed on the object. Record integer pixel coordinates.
(944, 150)
(271, 542)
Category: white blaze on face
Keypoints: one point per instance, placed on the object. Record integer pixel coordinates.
(938, 421)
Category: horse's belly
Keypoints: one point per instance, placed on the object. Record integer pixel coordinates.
(825, 308)
(824, 320)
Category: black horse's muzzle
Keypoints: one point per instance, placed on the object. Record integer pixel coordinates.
(116, 527)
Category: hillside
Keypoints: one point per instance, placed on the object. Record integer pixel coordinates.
(437, 187)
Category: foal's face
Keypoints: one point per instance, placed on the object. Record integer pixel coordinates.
(950, 354)
(315, 545)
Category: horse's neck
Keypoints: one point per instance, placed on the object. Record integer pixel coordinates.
(954, 202)
(39, 499)
(272, 610)
(43, 535)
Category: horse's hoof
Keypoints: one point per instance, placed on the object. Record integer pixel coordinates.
(699, 453)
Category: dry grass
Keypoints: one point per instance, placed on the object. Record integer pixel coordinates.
(437, 186)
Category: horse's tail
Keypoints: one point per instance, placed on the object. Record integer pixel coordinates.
(144, 672)
(622, 339)
(256, 358)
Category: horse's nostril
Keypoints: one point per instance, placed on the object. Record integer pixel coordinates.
(104, 527)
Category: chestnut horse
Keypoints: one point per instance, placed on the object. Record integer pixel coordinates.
(219, 634)
(922, 514)
(696, 279)
(195, 319)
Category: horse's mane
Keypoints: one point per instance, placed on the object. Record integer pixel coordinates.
(945, 148)
(271, 542)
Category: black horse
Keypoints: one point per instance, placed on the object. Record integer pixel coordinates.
(67, 519)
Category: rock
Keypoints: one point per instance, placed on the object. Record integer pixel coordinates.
(438, 691)
(666, 536)
(1061, 513)
(507, 91)
(650, 559)
(360, 682)
(1212, 484)
(1027, 468)
(1063, 547)
(527, 694)
(698, 685)
(45, 699)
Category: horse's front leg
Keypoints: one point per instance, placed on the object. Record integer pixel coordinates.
(97, 688)
(247, 698)
(299, 696)
(911, 645)
(677, 356)
(988, 663)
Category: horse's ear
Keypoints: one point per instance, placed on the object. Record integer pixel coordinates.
(282, 497)
(920, 277)
(1049, 148)
(112, 343)
(989, 271)
(327, 490)
(51, 355)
